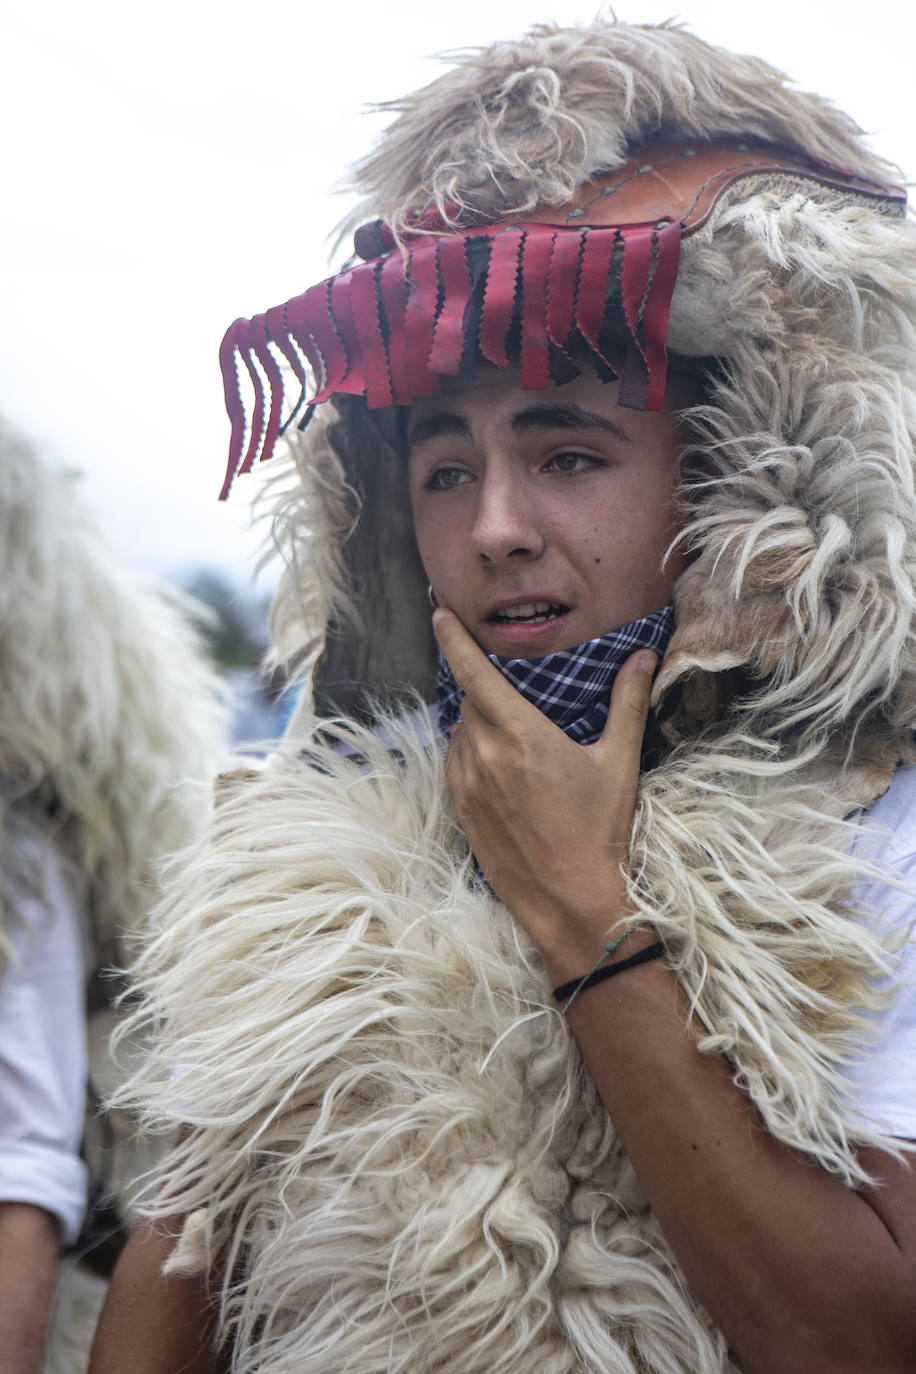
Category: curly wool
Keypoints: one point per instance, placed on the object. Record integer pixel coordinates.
(803, 517)
(398, 1134)
(518, 125)
(111, 719)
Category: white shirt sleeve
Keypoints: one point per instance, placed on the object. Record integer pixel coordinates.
(43, 1055)
(882, 1079)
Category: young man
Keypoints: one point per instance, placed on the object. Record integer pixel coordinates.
(569, 1050)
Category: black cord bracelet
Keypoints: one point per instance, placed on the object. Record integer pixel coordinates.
(567, 991)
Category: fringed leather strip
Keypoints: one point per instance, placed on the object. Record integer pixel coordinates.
(274, 383)
(635, 278)
(499, 297)
(343, 327)
(648, 271)
(455, 279)
(257, 412)
(565, 258)
(372, 354)
(636, 274)
(233, 398)
(420, 316)
(535, 359)
(302, 319)
(312, 323)
(392, 287)
(593, 284)
(657, 309)
(279, 332)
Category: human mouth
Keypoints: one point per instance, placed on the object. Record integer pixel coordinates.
(529, 612)
(525, 627)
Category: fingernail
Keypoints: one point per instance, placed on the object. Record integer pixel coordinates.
(646, 661)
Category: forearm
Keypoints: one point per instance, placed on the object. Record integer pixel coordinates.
(799, 1272)
(156, 1325)
(802, 1275)
(28, 1266)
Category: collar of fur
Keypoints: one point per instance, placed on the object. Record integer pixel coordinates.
(390, 1126)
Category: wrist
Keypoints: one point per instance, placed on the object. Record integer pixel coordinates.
(607, 968)
(575, 951)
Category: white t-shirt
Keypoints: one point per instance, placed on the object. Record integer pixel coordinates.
(43, 1055)
(882, 1081)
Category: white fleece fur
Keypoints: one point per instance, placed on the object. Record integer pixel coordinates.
(386, 1107)
(522, 124)
(391, 1127)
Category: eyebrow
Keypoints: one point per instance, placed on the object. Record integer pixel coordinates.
(548, 415)
(441, 424)
(565, 415)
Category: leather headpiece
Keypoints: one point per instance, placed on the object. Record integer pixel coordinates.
(597, 273)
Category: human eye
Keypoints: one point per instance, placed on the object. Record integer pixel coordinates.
(444, 477)
(569, 461)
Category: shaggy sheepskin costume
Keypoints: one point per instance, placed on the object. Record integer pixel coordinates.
(112, 719)
(392, 1140)
(111, 726)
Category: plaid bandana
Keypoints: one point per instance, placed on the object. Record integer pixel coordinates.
(572, 687)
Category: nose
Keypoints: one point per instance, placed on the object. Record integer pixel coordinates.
(506, 524)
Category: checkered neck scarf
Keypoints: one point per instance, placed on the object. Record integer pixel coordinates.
(572, 687)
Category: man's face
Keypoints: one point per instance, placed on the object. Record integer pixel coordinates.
(542, 517)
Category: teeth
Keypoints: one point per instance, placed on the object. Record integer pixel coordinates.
(529, 610)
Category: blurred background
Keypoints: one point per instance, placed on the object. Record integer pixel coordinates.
(170, 167)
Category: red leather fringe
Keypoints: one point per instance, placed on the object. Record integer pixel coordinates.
(500, 295)
(390, 328)
(455, 279)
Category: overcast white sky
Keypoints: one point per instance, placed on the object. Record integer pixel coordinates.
(169, 167)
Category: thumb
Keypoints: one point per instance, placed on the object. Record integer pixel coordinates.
(629, 709)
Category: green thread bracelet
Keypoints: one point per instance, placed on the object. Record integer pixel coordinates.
(561, 992)
(598, 974)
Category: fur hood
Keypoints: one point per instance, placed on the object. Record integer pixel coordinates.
(522, 124)
(796, 616)
(112, 722)
(389, 1121)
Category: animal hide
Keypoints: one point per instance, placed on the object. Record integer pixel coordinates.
(391, 1132)
(389, 1127)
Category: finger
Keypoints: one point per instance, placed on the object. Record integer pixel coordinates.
(622, 736)
(484, 686)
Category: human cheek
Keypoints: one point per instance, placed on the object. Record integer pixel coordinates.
(625, 542)
(424, 528)
(443, 555)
